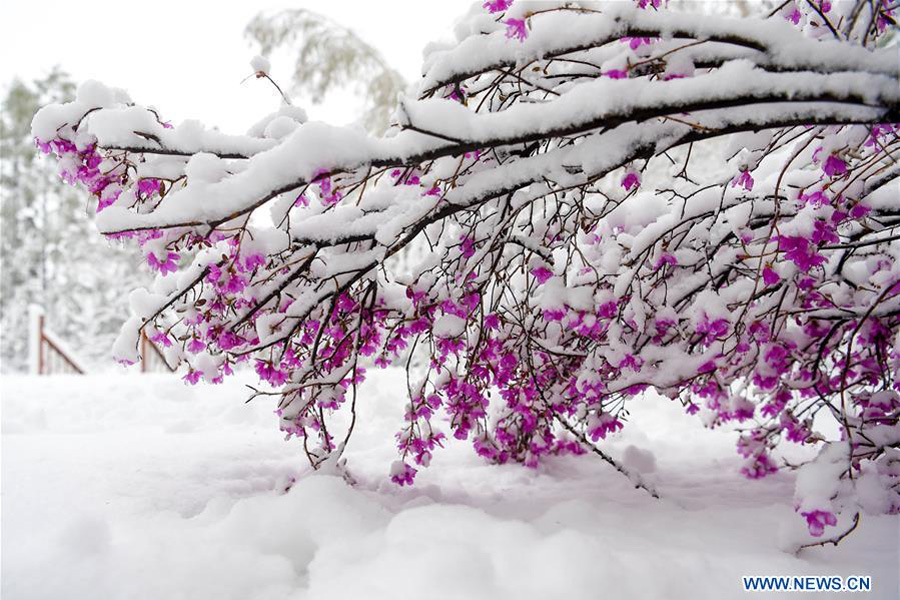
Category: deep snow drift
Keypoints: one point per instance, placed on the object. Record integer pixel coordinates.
(141, 487)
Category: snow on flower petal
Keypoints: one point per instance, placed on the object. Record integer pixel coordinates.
(402, 473)
(817, 520)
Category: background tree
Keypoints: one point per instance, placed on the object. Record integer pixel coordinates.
(329, 57)
(51, 256)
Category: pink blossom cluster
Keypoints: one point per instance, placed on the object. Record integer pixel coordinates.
(529, 317)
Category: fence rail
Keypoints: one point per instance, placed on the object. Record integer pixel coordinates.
(49, 355)
(152, 358)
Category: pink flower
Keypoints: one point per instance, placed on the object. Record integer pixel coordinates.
(415, 295)
(642, 4)
(759, 467)
(107, 201)
(554, 314)
(885, 18)
(253, 261)
(148, 187)
(859, 211)
(744, 180)
(345, 303)
(816, 520)
(877, 131)
(631, 180)
(770, 277)
(631, 362)
(467, 247)
(324, 182)
(402, 473)
(635, 42)
(825, 232)
(712, 330)
(616, 74)
(834, 166)
(798, 250)
(495, 6)
(602, 425)
(456, 93)
(817, 198)
(515, 28)
(793, 16)
(666, 259)
(542, 274)
(235, 284)
(196, 346)
(607, 310)
(328, 196)
(269, 373)
(164, 267)
(825, 5)
(229, 340)
(795, 431)
(161, 338)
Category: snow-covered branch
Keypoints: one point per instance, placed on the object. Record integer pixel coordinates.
(580, 204)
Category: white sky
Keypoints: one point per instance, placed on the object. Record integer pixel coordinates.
(188, 57)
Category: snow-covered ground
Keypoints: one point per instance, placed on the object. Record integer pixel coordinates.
(139, 487)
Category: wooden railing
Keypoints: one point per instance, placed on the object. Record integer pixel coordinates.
(152, 358)
(48, 354)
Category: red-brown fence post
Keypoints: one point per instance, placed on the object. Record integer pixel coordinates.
(152, 354)
(44, 345)
(144, 357)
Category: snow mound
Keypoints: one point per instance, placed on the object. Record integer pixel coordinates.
(141, 487)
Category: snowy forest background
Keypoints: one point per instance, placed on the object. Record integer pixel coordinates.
(52, 255)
